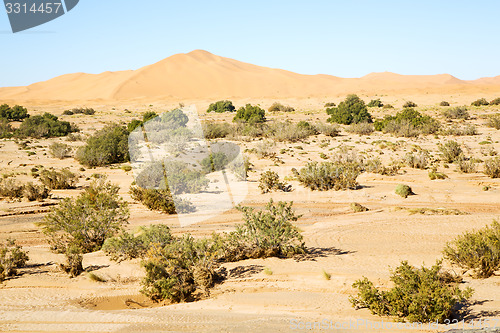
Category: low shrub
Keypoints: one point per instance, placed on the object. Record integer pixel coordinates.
(494, 121)
(85, 111)
(330, 105)
(496, 101)
(327, 129)
(454, 130)
(492, 167)
(221, 107)
(107, 146)
(351, 110)
(11, 188)
(12, 257)
(358, 208)
(16, 113)
(45, 126)
(35, 192)
(388, 106)
(250, 114)
(417, 160)
(408, 123)
(480, 102)
(375, 103)
(434, 175)
(459, 112)
(74, 261)
(418, 295)
(5, 129)
(216, 130)
(329, 175)
(404, 190)
(59, 150)
(444, 103)
(410, 104)
(275, 107)
(466, 165)
(270, 181)
(361, 128)
(450, 151)
(58, 180)
(478, 251)
(289, 132)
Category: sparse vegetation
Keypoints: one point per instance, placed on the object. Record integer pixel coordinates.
(444, 103)
(35, 192)
(216, 130)
(451, 151)
(375, 103)
(12, 257)
(459, 112)
(410, 104)
(494, 121)
(361, 128)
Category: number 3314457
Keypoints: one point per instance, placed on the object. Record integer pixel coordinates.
(43, 8)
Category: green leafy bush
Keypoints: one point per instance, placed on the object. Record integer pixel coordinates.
(418, 295)
(160, 200)
(409, 104)
(15, 113)
(221, 106)
(351, 110)
(85, 222)
(59, 150)
(270, 181)
(107, 146)
(375, 103)
(451, 151)
(250, 114)
(480, 102)
(408, 123)
(404, 190)
(129, 246)
(5, 129)
(275, 107)
(45, 126)
(215, 162)
(11, 257)
(325, 176)
(58, 180)
(478, 251)
(492, 167)
(459, 112)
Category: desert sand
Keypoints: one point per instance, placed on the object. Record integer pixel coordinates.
(345, 244)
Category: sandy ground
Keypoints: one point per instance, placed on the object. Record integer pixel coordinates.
(346, 245)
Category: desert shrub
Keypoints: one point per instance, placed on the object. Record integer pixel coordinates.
(459, 112)
(417, 160)
(11, 188)
(351, 110)
(434, 174)
(496, 101)
(59, 150)
(408, 123)
(74, 260)
(327, 129)
(494, 121)
(358, 208)
(11, 257)
(478, 251)
(15, 113)
(466, 165)
(324, 176)
(185, 179)
(68, 113)
(289, 132)
(129, 245)
(403, 190)
(480, 102)
(148, 115)
(265, 149)
(250, 114)
(270, 181)
(35, 192)
(58, 180)
(330, 104)
(418, 295)
(444, 103)
(216, 130)
(45, 126)
(85, 111)
(361, 128)
(492, 167)
(160, 200)
(410, 104)
(450, 151)
(388, 106)
(275, 107)
(400, 128)
(85, 222)
(107, 146)
(375, 103)
(454, 130)
(5, 129)
(216, 161)
(221, 106)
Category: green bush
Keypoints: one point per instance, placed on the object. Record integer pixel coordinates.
(450, 151)
(459, 112)
(59, 150)
(15, 113)
(275, 107)
(5, 129)
(478, 251)
(160, 200)
(107, 146)
(408, 123)
(494, 121)
(444, 103)
(409, 104)
(492, 167)
(221, 106)
(496, 101)
(250, 114)
(480, 102)
(418, 295)
(325, 176)
(58, 180)
(45, 126)
(11, 257)
(351, 110)
(270, 181)
(129, 246)
(404, 190)
(358, 208)
(375, 103)
(85, 111)
(85, 222)
(214, 162)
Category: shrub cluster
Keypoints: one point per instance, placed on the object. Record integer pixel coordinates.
(451, 151)
(270, 181)
(275, 107)
(11, 189)
(410, 104)
(408, 123)
(459, 112)
(250, 114)
(160, 200)
(496, 101)
(361, 128)
(351, 110)
(85, 111)
(418, 295)
(107, 146)
(145, 117)
(216, 130)
(494, 121)
(11, 257)
(221, 107)
(58, 180)
(480, 102)
(324, 176)
(59, 150)
(375, 103)
(45, 126)
(15, 113)
(492, 167)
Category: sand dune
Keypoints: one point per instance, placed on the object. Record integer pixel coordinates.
(202, 75)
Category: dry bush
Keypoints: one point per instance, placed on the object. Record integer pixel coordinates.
(275, 107)
(325, 176)
(327, 129)
(459, 112)
(494, 121)
(451, 151)
(466, 165)
(35, 192)
(417, 160)
(58, 180)
(11, 188)
(492, 167)
(11, 257)
(59, 150)
(404, 190)
(270, 181)
(361, 128)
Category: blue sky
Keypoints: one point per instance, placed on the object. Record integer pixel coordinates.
(342, 38)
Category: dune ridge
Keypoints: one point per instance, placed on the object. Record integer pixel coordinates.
(202, 75)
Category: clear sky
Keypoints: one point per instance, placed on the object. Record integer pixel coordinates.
(337, 37)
